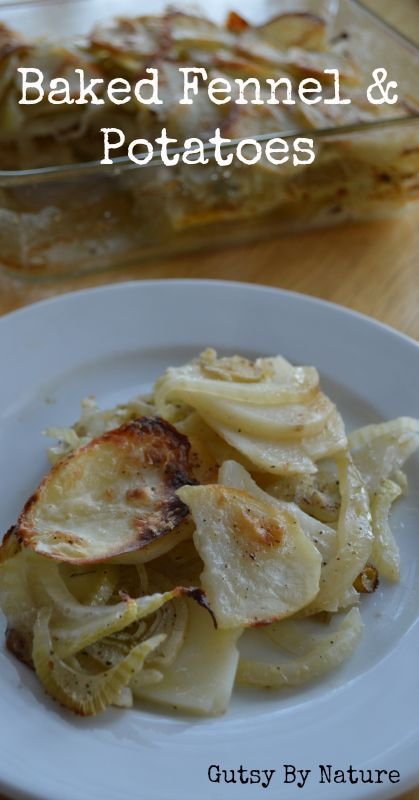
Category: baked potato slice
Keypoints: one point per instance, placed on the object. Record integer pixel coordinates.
(200, 680)
(259, 566)
(115, 495)
(295, 29)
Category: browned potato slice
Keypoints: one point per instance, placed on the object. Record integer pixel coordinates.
(295, 30)
(113, 496)
(259, 566)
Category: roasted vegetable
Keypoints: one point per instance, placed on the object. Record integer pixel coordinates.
(113, 496)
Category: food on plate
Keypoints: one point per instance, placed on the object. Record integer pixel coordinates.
(229, 500)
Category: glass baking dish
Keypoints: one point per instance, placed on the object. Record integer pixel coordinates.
(72, 219)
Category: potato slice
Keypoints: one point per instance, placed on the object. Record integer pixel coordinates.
(295, 30)
(202, 677)
(113, 496)
(258, 564)
(323, 537)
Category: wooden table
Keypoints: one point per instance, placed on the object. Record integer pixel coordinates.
(372, 267)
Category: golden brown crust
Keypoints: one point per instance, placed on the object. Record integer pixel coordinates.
(148, 443)
(260, 530)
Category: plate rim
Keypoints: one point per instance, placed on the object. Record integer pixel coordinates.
(155, 282)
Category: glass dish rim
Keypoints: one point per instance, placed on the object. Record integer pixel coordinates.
(123, 163)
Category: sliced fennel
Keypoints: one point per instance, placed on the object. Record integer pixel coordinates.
(327, 654)
(81, 691)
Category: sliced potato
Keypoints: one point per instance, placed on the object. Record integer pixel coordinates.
(298, 29)
(158, 547)
(113, 496)
(201, 678)
(258, 564)
(323, 537)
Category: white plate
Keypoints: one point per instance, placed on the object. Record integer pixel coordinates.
(113, 342)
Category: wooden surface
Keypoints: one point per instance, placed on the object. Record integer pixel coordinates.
(372, 267)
